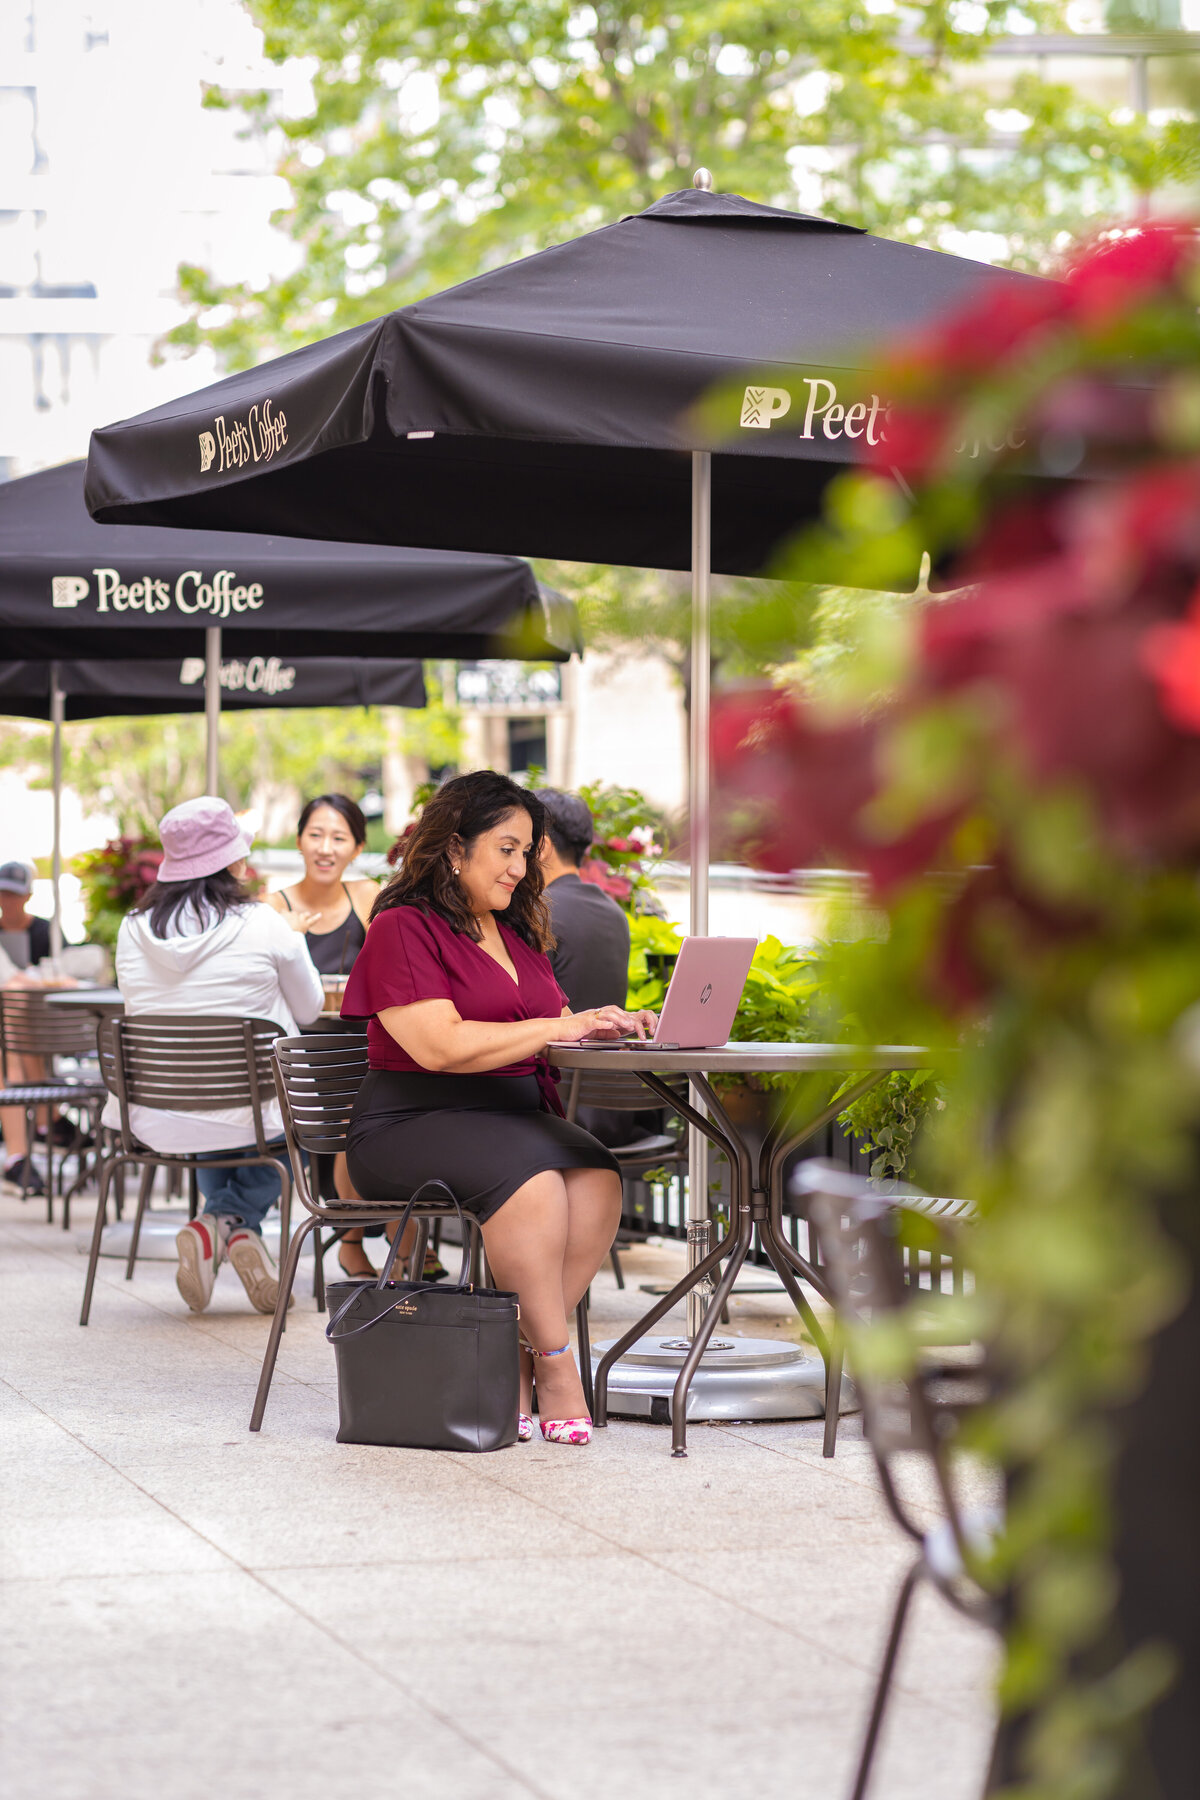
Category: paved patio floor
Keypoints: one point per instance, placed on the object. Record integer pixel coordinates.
(193, 1613)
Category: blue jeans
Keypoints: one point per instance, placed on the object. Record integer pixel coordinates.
(247, 1193)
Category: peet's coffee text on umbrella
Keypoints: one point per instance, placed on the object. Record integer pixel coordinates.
(190, 593)
(255, 438)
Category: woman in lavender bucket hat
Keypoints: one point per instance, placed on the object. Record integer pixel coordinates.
(198, 943)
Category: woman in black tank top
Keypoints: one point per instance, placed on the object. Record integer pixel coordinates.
(330, 911)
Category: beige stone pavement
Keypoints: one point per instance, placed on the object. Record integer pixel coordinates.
(194, 1613)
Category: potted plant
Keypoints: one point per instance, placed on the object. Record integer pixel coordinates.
(1023, 802)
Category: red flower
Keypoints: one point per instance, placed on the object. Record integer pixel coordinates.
(1115, 273)
(1171, 654)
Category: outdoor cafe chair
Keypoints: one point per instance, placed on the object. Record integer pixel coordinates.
(317, 1079)
(616, 1090)
(917, 1408)
(179, 1063)
(32, 1030)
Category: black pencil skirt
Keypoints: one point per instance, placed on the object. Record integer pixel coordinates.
(483, 1135)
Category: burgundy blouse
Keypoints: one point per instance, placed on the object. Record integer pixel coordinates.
(413, 955)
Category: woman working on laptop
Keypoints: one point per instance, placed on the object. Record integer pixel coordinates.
(462, 1002)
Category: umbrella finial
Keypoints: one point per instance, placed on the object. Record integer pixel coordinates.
(702, 179)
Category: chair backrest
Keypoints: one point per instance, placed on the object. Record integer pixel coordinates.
(317, 1079)
(613, 1090)
(30, 1026)
(909, 1403)
(179, 1063)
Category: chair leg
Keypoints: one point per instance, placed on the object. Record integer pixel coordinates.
(144, 1186)
(584, 1339)
(106, 1172)
(286, 1281)
(884, 1683)
(319, 1248)
(833, 1395)
(193, 1193)
(617, 1270)
(416, 1259)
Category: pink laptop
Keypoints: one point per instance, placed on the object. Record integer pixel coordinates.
(698, 1012)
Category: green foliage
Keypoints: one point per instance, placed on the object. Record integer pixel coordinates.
(629, 840)
(653, 946)
(889, 1117)
(114, 878)
(448, 136)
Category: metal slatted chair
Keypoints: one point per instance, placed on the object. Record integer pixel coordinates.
(615, 1090)
(31, 1031)
(317, 1079)
(918, 1409)
(180, 1063)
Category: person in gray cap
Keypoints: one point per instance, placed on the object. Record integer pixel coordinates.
(24, 937)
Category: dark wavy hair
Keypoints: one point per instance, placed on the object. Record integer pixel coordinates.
(210, 897)
(349, 809)
(458, 813)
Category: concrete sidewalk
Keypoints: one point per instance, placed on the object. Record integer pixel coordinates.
(198, 1614)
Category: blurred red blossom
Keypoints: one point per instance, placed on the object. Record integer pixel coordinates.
(1071, 667)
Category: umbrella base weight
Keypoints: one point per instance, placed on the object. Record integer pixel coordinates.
(747, 1378)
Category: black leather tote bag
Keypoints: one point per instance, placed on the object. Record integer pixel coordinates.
(424, 1367)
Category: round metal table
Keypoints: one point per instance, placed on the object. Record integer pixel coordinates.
(745, 1365)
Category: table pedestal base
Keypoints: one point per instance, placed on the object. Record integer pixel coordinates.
(157, 1240)
(738, 1378)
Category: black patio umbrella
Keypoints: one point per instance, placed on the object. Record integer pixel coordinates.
(72, 591)
(101, 690)
(70, 588)
(545, 407)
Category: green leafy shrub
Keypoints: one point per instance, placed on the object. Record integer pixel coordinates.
(114, 879)
(630, 833)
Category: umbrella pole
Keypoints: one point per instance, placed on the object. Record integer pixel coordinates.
(56, 721)
(698, 1227)
(212, 707)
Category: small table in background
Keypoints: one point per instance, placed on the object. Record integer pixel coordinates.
(757, 1198)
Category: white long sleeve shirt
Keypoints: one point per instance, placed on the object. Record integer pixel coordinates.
(251, 965)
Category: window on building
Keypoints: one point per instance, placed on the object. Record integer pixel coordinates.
(526, 745)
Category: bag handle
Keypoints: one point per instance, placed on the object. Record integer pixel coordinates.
(461, 1286)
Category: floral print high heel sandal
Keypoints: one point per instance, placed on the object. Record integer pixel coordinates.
(560, 1431)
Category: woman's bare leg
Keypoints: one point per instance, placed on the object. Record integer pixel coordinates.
(361, 1263)
(593, 1215)
(526, 1244)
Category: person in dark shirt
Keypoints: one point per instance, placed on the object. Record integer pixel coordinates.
(591, 957)
(24, 936)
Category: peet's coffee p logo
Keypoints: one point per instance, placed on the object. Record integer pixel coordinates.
(235, 443)
(68, 590)
(760, 405)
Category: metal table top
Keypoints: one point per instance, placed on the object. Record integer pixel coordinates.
(745, 1059)
(97, 1000)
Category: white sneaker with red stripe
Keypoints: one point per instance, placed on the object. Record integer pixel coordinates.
(256, 1269)
(198, 1246)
